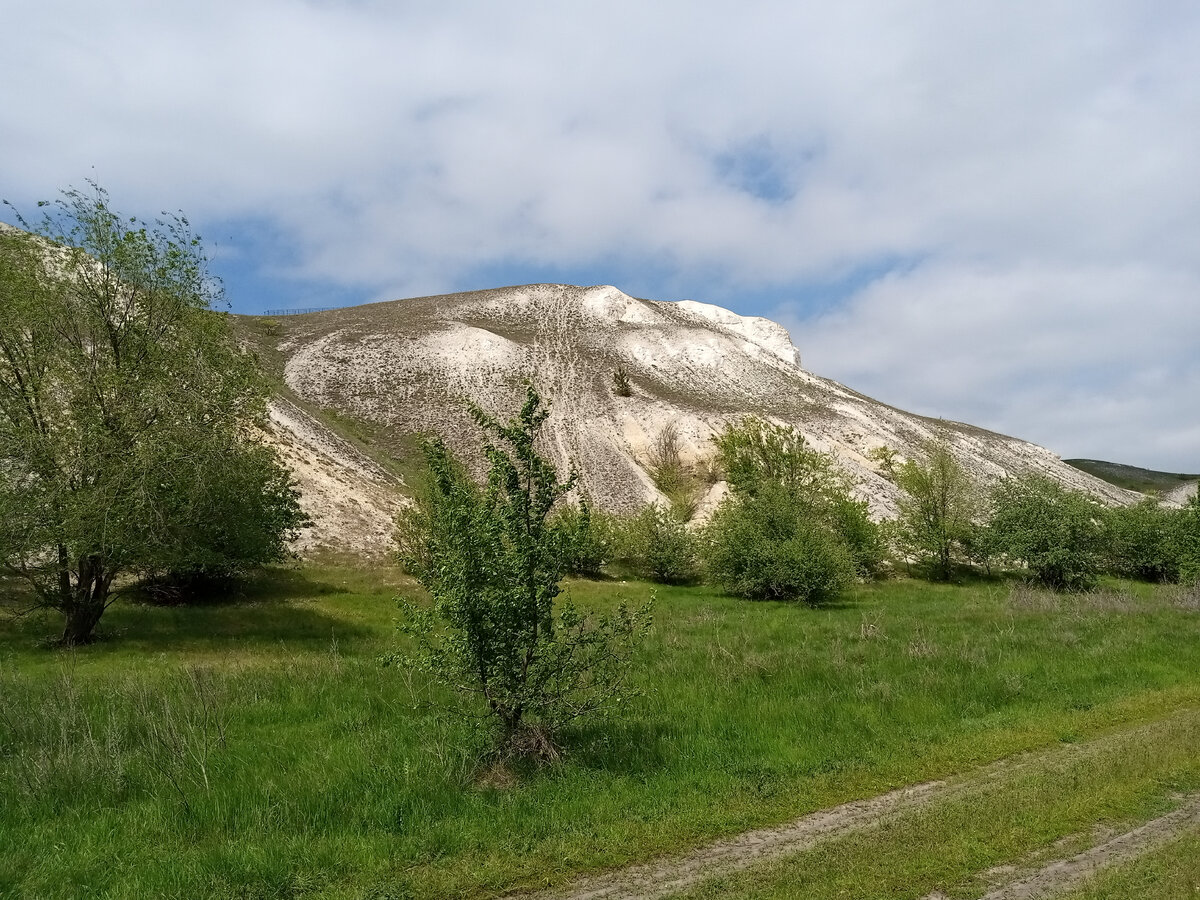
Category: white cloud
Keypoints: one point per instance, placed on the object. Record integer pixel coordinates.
(1035, 161)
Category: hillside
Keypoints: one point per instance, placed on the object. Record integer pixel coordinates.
(367, 380)
(1170, 485)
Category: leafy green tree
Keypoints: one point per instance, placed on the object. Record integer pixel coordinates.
(936, 514)
(1186, 540)
(791, 528)
(491, 560)
(1143, 541)
(587, 538)
(1057, 533)
(125, 412)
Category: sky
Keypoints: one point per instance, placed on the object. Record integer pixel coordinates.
(985, 211)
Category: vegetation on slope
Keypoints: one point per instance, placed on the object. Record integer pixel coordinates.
(1132, 478)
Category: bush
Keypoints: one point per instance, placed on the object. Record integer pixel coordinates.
(1142, 542)
(1185, 539)
(655, 545)
(790, 528)
(587, 539)
(678, 483)
(767, 547)
(1057, 533)
(621, 385)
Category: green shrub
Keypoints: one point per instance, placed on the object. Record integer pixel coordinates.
(768, 547)
(656, 545)
(1185, 537)
(790, 528)
(677, 481)
(1055, 532)
(587, 538)
(1142, 541)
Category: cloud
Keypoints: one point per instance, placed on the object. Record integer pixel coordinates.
(738, 153)
(1096, 361)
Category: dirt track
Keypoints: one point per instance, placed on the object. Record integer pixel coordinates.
(668, 877)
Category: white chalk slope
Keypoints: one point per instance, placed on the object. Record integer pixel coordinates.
(409, 366)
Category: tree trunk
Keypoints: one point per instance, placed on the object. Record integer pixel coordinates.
(86, 603)
(81, 620)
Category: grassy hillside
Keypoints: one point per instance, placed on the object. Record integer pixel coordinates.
(1131, 477)
(257, 748)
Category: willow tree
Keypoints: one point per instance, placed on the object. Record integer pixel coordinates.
(125, 412)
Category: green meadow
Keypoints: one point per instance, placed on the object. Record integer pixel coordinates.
(257, 747)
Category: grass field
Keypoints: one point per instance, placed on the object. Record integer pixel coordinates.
(257, 748)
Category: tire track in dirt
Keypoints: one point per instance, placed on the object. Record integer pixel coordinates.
(667, 877)
(1063, 874)
(662, 879)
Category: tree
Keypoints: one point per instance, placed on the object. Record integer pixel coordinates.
(492, 561)
(126, 411)
(790, 528)
(1057, 533)
(937, 511)
(1185, 539)
(1143, 541)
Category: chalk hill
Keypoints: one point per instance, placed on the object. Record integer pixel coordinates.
(363, 382)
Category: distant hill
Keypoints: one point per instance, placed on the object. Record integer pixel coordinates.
(1133, 478)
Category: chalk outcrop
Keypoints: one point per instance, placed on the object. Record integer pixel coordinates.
(408, 367)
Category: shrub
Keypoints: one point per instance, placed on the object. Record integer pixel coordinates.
(621, 385)
(1057, 533)
(790, 527)
(586, 537)
(655, 545)
(1185, 538)
(767, 547)
(1142, 541)
(678, 483)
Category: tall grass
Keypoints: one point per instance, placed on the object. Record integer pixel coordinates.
(257, 748)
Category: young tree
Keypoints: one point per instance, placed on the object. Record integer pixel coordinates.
(124, 410)
(1057, 533)
(492, 562)
(937, 512)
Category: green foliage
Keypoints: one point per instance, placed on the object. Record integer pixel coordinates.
(937, 511)
(1057, 533)
(125, 408)
(587, 538)
(768, 547)
(491, 559)
(755, 452)
(1143, 541)
(654, 544)
(790, 529)
(1185, 540)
